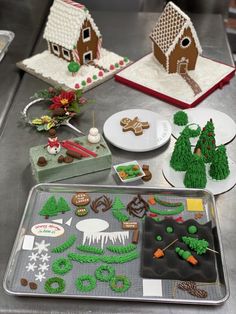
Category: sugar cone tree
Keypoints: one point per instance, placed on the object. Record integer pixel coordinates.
(206, 141)
(49, 208)
(62, 206)
(219, 168)
(182, 154)
(195, 176)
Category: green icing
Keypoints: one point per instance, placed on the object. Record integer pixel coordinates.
(206, 142)
(192, 130)
(182, 154)
(49, 208)
(105, 273)
(121, 249)
(90, 249)
(159, 238)
(180, 118)
(198, 245)
(169, 229)
(120, 283)
(195, 176)
(182, 253)
(85, 283)
(219, 169)
(61, 266)
(167, 211)
(62, 205)
(65, 245)
(50, 283)
(165, 203)
(83, 83)
(192, 229)
(117, 206)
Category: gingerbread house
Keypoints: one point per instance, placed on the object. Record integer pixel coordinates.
(175, 42)
(71, 32)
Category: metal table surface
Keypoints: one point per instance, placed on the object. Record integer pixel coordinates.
(126, 34)
(25, 19)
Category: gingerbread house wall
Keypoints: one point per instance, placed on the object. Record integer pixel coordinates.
(159, 55)
(91, 45)
(60, 52)
(189, 53)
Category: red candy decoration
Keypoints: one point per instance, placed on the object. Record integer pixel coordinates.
(77, 85)
(89, 80)
(121, 62)
(100, 73)
(112, 67)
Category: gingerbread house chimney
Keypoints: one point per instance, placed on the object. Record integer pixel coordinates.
(71, 32)
(175, 42)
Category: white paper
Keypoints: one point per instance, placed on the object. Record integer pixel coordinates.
(152, 288)
(28, 242)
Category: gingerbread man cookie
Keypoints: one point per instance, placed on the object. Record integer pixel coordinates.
(134, 125)
(80, 199)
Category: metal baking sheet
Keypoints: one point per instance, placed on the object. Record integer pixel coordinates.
(218, 292)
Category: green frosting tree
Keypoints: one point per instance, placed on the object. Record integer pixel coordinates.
(182, 154)
(49, 208)
(200, 246)
(195, 176)
(219, 168)
(73, 67)
(117, 204)
(206, 141)
(62, 206)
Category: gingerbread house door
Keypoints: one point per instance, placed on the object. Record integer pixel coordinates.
(182, 67)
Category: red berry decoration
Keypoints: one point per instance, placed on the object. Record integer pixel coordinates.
(100, 73)
(112, 67)
(77, 85)
(89, 80)
(121, 62)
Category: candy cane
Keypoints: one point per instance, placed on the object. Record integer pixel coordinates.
(75, 4)
(76, 55)
(99, 48)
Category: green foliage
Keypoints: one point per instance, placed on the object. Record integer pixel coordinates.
(206, 142)
(182, 154)
(180, 118)
(219, 168)
(49, 208)
(198, 245)
(195, 176)
(73, 67)
(117, 204)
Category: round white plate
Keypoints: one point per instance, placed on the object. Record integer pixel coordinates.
(155, 136)
(225, 127)
(176, 178)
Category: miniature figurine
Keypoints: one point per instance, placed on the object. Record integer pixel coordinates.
(94, 136)
(53, 146)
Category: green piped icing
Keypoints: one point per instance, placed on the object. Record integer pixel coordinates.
(182, 154)
(195, 176)
(180, 118)
(206, 142)
(65, 245)
(198, 245)
(219, 169)
(90, 249)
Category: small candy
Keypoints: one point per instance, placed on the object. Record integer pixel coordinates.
(192, 229)
(169, 229)
(159, 238)
(89, 80)
(100, 73)
(77, 86)
(112, 67)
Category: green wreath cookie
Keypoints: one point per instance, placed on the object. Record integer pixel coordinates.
(120, 283)
(61, 266)
(49, 285)
(105, 273)
(80, 283)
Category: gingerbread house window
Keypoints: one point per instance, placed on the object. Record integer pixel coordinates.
(55, 49)
(86, 34)
(185, 42)
(87, 57)
(66, 54)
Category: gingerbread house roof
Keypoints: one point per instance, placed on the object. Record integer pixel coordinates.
(65, 22)
(170, 28)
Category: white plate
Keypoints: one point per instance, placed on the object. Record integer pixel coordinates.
(155, 136)
(225, 127)
(134, 162)
(176, 178)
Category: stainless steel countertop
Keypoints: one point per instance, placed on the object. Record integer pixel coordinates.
(126, 34)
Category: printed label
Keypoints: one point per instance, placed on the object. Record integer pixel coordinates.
(47, 230)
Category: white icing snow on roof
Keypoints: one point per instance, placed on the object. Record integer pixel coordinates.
(65, 22)
(170, 28)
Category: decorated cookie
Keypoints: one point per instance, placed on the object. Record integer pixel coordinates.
(80, 199)
(134, 125)
(81, 211)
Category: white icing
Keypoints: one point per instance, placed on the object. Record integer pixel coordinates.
(94, 224)
(65, 22)
(52, 67)
(103, 237)
(148, 73)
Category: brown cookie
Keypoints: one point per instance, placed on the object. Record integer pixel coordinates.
(148, 174)
(33, 285)
(60, 159)
(24, 282)
(80, 199)
(134, 125)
